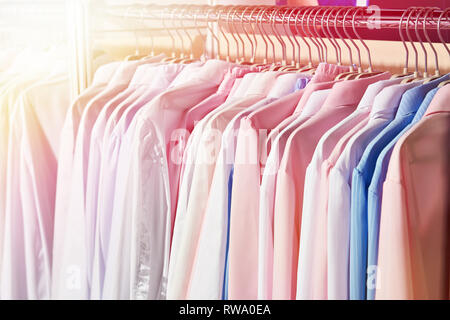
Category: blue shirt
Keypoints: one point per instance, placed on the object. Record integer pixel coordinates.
(364, 172)
(379, 176)
(225, 277)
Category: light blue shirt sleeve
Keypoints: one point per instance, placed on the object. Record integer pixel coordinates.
(225, 277)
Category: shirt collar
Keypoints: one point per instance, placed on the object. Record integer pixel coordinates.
(243, 85)
(105, 72)
(412, 98)
(126, 70)
(350, 92)
(327, 72)
(186, 74)
(440, 102)
(387, 101)
(315, 101)
(212, 72)
(262, 83)
(285, 84)
(375, 88)
(228, 81)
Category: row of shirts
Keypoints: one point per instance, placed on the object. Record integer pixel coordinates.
(212, 180)
(34, 98)
(289, 203)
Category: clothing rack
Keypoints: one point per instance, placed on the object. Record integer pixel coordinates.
(275, 26)
(376, 23)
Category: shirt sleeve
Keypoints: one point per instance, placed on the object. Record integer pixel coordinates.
(338, 235)
(286, 237)
(394, 272)
(358, 237)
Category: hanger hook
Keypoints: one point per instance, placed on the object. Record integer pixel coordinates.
(349, 37)
(286, 11)
(277, 35)
(400, 32)
(252, 26)
(297, 63)
(416, 55)
(436, 60)
(301, 35)
(327, 33)
(191, 52)
(267, 36)
(213, 34)
(416, 25)
(360, 39)
(319, 37)
(252, 46)
(266, 46)
(163, 22)
(219, 25)
(445, 12)
(350, 54)
(229, 8)
(237, 32)
(173, 18)
(136, 43)
(309, 34)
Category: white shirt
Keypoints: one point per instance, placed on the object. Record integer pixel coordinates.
(145, 233)
(206, 281)
(267, 195)
(154, 80)
(31, 185)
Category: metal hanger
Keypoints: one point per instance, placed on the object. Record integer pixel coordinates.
(280, 40)
(310, 65)
(190, 58)
(445, 12)
(269, 40)
(416, 55)
(137, 55)
(352, 71)
(369, 72)
(358, 51)
(297, 62)
(328, 35)
(266, 46)
(173, 55)
(311, 37)
(437, 73)
(252, 26)
(289, 38)
(202, 57)
(219, 25)
(238, 33)
(402, 38)
(319, 37)
(232, 32)
(309, 68)
(181, 56)
(213, 35)
(252, 46)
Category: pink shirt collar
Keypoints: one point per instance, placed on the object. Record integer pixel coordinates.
(440, 102)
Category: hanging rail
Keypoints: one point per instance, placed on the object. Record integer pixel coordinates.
(372, 22)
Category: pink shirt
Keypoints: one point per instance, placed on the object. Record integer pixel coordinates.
(248, 165)
(299, 150)
(315, 202)
(185, 242)
(413, 254)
